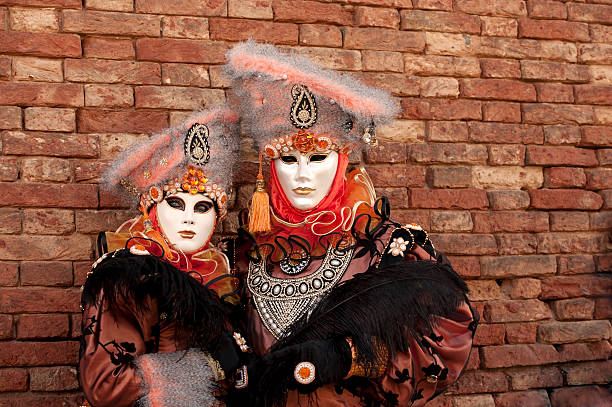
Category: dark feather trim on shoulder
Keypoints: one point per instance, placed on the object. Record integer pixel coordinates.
(128, 280)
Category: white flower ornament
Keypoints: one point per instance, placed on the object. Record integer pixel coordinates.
(397, 247)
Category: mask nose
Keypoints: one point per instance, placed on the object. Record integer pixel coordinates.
(188, 216)
(303, 172)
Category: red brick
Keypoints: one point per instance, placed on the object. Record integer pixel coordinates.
(43, 299)
(544, 113)
(56, 378)
(331, 58)
(39, 353)
(121, 121)
(498, 89)
(398, 197)
(517, 266)
(500, 68)
(575, 286)
(526, 49)
(591, 13)
(45, 3)
(441, 65)
(109, 95)
(177, 97)
(465, 266)
(397, 176)
(589, 373)
(494, 7)
(585, 351)
(604, 155)
(446, 5)
(451, 221)
(108, 48)
(180, 50)
(518, 355)
(600, 33)
(462, 243)
(521, 333)
(48, 221)
(110, 5)
(516, 311)
(75, 322)
(418, 20)
(49, 119)
(483, 290)
(481, 382)
(489, 335)
(236, 30)
(250, 9)
(565, 199)
(377, 17)
(46, 169)
(90, 171)
(564, 177)
(412, 216)
(553, 30)
(32, 20)
(10, 220)
(603, 262)
(41, 399)
(5, 68)
(449, 199)
(82, 70)
(561, 155)
(439, 87)
(517, 243)
(9, 277)
(534, 377)
(534, 398)
(448, 153)
(562, 134)
(35, 326)
(398, 84)
(492, 222)
(603, 308)
(13, 380)
(555, 93)
(50, 144)
(9, 169)
(601, 221)
(40, 44)
(6, 327)
(185, 27)
(321, 35)
(560, 242)
(569, 221)
(575, 308)
(449, 177)
(504, 133)
(499, 27)
(387, 152)
(33, 69)
(522, 288)
(180, 7)
(593, 94)
(594, 53)
(507, 177)
(505, 200)
(41, 94)
(447, 131)
(185, 74)
(47, 195)
(311, 12)
(596, 136)
(568, 332)
(506, 154)
(383, 39)
(95, 221)
(501, 112)
(441, 109)
(576, 264)
(101, 22)
(546, 9)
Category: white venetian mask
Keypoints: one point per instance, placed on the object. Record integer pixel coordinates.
(187, 220)
(306, 178)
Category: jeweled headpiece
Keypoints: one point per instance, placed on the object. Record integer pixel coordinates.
(197, 156)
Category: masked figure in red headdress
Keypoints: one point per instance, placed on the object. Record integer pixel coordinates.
(158, 306)
(345, 307)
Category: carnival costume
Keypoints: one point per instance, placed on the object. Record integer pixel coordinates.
(157, 322)
(345, 306)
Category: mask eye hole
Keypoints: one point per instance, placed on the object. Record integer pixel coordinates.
(203, 207)
(288, 159)
(176, 203)
(315, 158)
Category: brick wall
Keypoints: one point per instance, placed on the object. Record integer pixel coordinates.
(503, 152)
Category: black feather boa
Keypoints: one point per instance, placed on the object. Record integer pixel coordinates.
(128, 280)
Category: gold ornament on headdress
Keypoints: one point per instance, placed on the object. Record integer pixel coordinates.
(303, 108)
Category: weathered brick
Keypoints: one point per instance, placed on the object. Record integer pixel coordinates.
(412, 216)
(499, 27)
(448, 153)
(544, 155)
(378, 17)
(90, 171)
(48, 221)
(180, 7)
(559, 242)
(113, 144)
(41, 94)
(504, 133)
(500, 68)
(13, 380)
(447, 131)
(604, 155)
(512, 221)
(439, 21)
(466, 266)
(177, 97)
(398, 197)
(562, 134)
(575, 286)
(506, 154)
(509, 8)
(9, 169)
(600, 33)
(10, 117)
(543, 113)
(596, 136)
(572, 352)
(594, 53)
(109, 95)
(446, 5)
(94, 221)
(481, 382)
(521, 333)
(312, 12)
(50, 144)
(331, 58)
(326, 36)
(601, 221)
(569, 221)
(489, 334)
(534, 377)
(555, 93)
(10, 220)
(110, 5)
(100, 22)
(575, 308)
(517, 243)
(5, 68)
(48, 273)
(506, 200)
(397, 176)
(546, 9)
(591, 13)
(476, 400)
(49, 119)
(35, 326)
(387, 152)
(397, 84)
(516, 311)
(501, 112)
(39, 353)
(46, 169)
(185, 27)
(41, 399)
(568, 332)
(462, 243)
(441, 109)
(37, 69)
(84, 70)
(498, 89)
(576, 264)
(589, 373)
(522, 288)
(518, 355)
(383, 39)
(441, 65)
(507, 177)
(603, 262)
(451, 221)
(236, 30)
(564, 177)
(593, 94)
(526, 48)
(565, 199)
(48, 195)
(517, 266)
(553, 30)
(439, 87)
(603, 308)
(40, 44)
(534, 398)
(185, 75)
(56, 378)
(121, 121)
(449, 177)
(448, 199)
(484, 290)
(404, 131)
(180, 50)
(108, 48)
(33, 20)
(250, 9)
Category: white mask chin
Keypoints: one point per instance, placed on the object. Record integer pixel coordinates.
(306, 178)
(187, 220)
